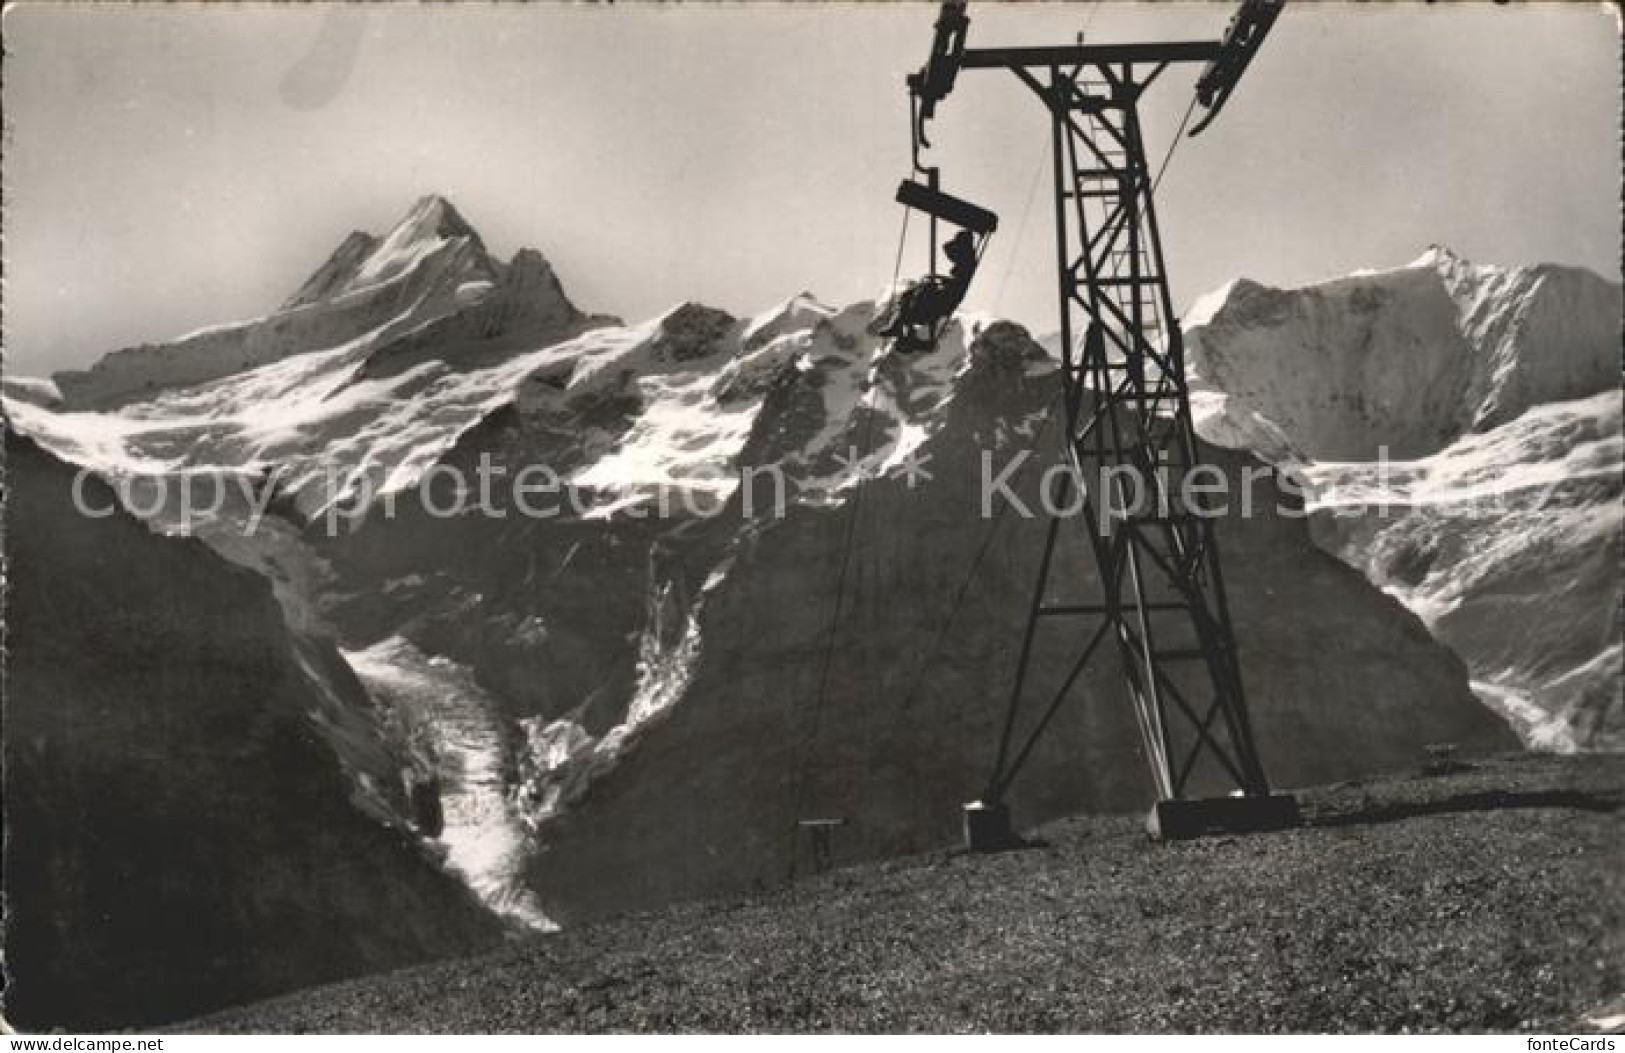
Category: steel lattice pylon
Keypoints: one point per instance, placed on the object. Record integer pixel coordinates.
(1127, 420)
(1128, 424)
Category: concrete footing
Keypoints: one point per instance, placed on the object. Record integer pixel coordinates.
(988, 829)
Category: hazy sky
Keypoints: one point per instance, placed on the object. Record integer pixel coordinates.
(168, 168)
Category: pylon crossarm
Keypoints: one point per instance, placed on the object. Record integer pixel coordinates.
(1090, 55)
(1026, 77)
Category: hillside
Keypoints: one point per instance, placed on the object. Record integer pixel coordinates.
(202, 806)
(745, 604)
(1490, 899)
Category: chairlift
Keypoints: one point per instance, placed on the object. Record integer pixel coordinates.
(917, 316)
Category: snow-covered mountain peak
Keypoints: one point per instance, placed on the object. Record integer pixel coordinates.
(429, 280)
(800, 311)
(331, 277)
(1204, 307)
(364, 259)
(432, 234)
(1409, 358)
(434, 216)
(1440, 257)
(1459, 428)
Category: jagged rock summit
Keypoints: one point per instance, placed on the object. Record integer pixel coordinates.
(1409, 359)
(362, 259)
(625, 695)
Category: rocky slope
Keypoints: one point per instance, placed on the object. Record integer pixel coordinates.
(1494, 396)
(1483, 900)
(201, 806)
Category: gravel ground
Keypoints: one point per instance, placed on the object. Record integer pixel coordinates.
(1488, 899)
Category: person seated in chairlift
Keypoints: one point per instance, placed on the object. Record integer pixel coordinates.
(927, 302)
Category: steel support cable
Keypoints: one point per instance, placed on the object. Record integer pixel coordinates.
(1094, 9)
(846, 561)
(902, 243)
(1179, 136)
(923, 670)
(1021, 229)
(798, 761)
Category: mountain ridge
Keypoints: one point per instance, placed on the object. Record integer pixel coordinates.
(430, 266)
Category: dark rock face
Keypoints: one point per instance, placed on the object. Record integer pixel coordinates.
(545, 611)
(525, 308)
(331, 278)
(409, 298)
(180, 833)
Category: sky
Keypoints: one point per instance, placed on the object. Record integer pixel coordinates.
(171, 167)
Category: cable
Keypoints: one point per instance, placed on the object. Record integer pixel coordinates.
(830, 638)
(902, 243)
(799, 773)
(926, 662)
(798, 762)
(1021, 229)
(840, 580)
(1094, 10)
(1179, 136)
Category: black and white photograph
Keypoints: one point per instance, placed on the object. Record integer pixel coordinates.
(910, 517)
